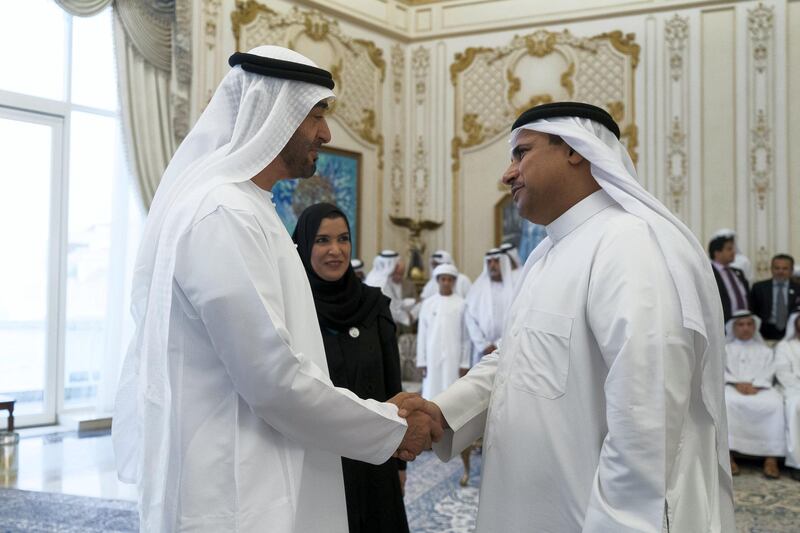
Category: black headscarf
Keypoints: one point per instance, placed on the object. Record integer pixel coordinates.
(343, 303)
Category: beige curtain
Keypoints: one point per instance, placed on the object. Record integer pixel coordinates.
(144, 31)
(83, 8)
(147, 122)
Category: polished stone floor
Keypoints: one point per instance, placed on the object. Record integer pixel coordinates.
(68, 463)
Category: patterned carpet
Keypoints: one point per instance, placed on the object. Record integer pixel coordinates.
(434, 500)
(46, 512)
(436, 503)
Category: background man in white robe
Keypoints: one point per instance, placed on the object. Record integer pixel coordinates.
(787, 370)
(226, 418)
(755, 408)
(443, 345)
(510, 249)
(487, 303)
(463, 283)
(387, 274)
(602, 410)
(358, 268)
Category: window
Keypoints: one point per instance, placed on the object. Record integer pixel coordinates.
(69, 213)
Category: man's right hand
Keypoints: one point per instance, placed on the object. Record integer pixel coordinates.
(489, 349)
(425, 424)
(746, 388)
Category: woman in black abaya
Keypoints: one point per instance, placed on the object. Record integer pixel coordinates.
(361, 349)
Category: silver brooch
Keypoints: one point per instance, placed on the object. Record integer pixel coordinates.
(354, 332)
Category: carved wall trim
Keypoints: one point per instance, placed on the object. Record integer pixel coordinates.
(210, 23)
(398, 72)
(676, 37)
(761, 138)
(421, 177)
(420, 64)
(489, 92)
(397, 176)
(760, 27)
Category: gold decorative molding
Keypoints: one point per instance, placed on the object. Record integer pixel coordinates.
(676, 165)
(624, 44)
(676, 33)
(541, 43)
(420, 64)
(463, 60)
(375, 55)
(567, 81)
(475, 136)
(398, 72)
(245, 14)
(421, 177)
(761, 159)
(760, 25)
(397, 176)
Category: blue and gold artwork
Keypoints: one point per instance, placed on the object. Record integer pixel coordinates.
(336, 181)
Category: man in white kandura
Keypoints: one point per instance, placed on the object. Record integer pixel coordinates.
(443, 345)
(755, 408)
(226, 418)
(387, 274)
(603, 409)
(463, 283)
(488, 301)
(787, 370)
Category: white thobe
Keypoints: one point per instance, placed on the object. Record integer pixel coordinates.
(755, 422)
(443, 346)
(486, 328)
(461, 287)
(787, 370)
(260, 428)
(591, 409)
(402, 309)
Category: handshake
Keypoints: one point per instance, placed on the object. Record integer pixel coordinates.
(425, 424)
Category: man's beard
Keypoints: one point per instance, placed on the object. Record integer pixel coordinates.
(295, 156)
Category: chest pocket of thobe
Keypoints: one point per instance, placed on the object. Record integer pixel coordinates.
(542, 365)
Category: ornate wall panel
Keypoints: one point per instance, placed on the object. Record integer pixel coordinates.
(422, 128)
(676, 37)
(492, 86)
(398, 175)
(761, 136)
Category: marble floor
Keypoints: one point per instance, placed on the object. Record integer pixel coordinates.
(52, 460)
(67, 463)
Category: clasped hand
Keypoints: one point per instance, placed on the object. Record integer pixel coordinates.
(425, 424)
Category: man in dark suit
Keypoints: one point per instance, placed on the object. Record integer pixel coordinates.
(772, 299)
(731, 282)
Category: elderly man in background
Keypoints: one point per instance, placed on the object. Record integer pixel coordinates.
(772, 299)
(387, 274)
(488, 301)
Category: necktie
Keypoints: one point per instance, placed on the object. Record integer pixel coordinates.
(735, 287)
(780, 307)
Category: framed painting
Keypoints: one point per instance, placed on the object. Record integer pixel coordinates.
(337, 181)
(510, 227)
